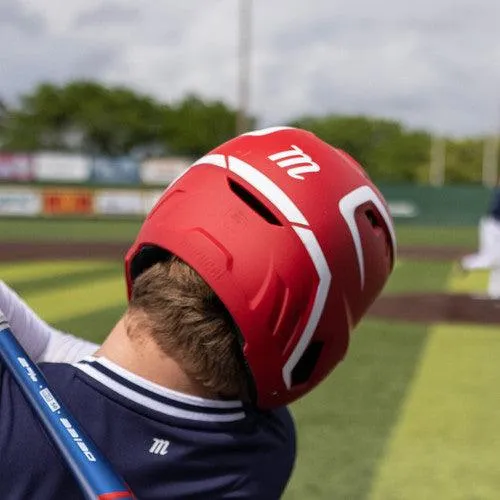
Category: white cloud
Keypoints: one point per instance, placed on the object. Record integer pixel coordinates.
(432, 63)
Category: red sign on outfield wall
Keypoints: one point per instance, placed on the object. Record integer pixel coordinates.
(67, 202)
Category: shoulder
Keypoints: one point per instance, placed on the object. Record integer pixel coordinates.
(496, 195)
(270, 471)
(25, 445)
(285, 453)
(279, 426)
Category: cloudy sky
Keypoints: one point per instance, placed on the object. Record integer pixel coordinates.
(429, 63)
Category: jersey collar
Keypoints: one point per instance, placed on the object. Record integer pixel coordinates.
(156, 397)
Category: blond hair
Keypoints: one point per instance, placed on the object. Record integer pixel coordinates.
(190, 324)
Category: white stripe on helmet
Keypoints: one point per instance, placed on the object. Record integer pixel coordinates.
(267, 131)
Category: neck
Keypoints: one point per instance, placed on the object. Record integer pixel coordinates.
(139, 354)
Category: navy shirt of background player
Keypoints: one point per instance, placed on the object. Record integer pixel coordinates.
(494, 210)
(165, 444)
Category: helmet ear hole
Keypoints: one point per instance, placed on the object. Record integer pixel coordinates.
(372, 217)
(147, 257)
(305, 367)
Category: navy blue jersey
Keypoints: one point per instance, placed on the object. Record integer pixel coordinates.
(165, 444)
(494, 210)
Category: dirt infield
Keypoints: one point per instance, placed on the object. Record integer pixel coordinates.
(427, 308)
(435, 308)
(17, 251)
(432, 253)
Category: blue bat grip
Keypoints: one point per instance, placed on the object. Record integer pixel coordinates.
(92, 470)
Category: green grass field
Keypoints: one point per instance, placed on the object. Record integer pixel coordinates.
(412, 413)
(62, 229)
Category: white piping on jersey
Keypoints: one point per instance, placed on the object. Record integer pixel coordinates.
(292, 213)
(152, 404)
(164, 391)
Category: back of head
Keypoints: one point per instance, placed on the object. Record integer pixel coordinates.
(295, 241)
(189, 323)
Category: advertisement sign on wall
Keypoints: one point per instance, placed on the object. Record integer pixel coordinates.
(67, 202)
(403, 209)
(15, 167)
(118, 202)
(20, 201)
(61, 167)
(149, 200)
(163, 170)
(115, 171)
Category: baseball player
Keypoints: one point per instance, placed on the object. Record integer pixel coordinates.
(244, 284)
(488, 254)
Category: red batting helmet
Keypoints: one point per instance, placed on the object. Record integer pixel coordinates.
(292, 236)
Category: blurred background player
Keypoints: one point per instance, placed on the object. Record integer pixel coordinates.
(488, 255)
(244, 285)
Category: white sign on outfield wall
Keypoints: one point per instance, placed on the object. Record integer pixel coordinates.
(61, 167)
(149, 200)
(406, 209)
(20, 201)
(118, 202)
(163, 170)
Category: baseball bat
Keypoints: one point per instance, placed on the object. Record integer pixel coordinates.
(92, 470)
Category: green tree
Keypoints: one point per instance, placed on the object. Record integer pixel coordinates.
(384, 147)
(4, 116)
(196, 126)
(464, 160)
(84, 116)
(91, 118)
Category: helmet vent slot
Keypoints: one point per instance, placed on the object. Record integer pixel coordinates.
(305, 367)
(251, 200)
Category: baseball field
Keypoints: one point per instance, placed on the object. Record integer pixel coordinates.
(412, 413)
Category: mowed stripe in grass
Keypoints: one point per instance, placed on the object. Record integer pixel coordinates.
(83, 297)
(474, 282)
(55, 289)
(446, 443)
(68, 229)
(93, 326)
(21, 272)
(67, 280)
(462, 236)
(344, 425)
(418, 276)
(71, 230)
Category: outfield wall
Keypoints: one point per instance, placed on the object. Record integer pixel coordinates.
(422, 205)
(427, 205)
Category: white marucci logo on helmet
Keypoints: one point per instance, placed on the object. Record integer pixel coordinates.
(159, 447)
(301, 162)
